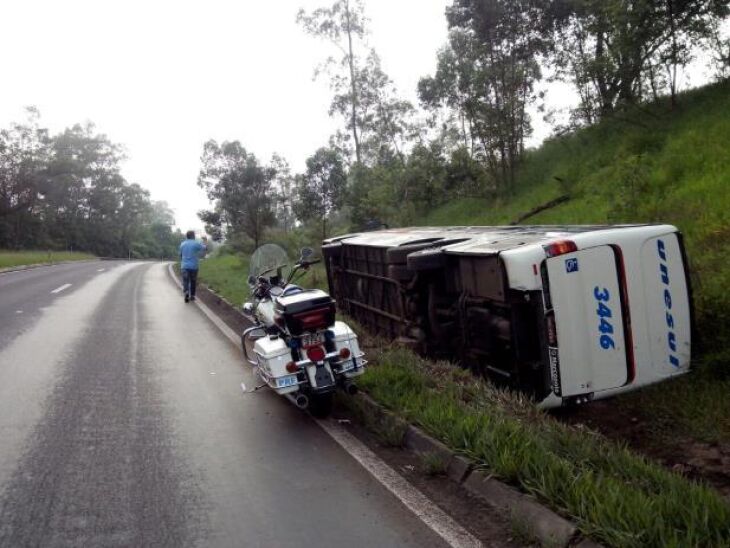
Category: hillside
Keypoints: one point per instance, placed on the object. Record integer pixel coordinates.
(651, 165)
(648, 165)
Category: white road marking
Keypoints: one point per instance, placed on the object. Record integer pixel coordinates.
(18, 311)
(59, 289)
(100, 269)
(430, 514)
(243, 387)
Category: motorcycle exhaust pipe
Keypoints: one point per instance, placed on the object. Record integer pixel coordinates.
(300, 400)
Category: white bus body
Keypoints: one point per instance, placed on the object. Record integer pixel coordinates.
(566, 313)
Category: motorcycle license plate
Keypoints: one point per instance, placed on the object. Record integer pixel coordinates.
(283, 382)
(310, 339)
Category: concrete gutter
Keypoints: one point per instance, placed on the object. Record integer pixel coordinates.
(525, 512)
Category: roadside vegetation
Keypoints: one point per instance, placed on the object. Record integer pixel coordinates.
(226, 273)
(65, 192)
(616, 496)
(20, 258)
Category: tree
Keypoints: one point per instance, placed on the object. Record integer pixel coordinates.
(384, 118)
(240, 187)
(614, 50)
(162, 213)
(488, 72)
(321, 188)
(24, 150)
(341, 24)
(66, 191)
(284, 188)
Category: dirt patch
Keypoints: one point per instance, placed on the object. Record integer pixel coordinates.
(708, 462)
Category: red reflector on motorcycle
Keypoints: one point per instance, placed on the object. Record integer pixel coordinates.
(560, 248)
(344, 353)
(292, 367)
(315, 353)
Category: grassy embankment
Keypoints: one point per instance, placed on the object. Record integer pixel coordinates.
(660, 166)
(19, 258)
(228, 274)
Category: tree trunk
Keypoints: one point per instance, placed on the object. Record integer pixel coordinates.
(673, 70)
(353, 86)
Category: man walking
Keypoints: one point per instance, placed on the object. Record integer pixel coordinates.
(189, 251)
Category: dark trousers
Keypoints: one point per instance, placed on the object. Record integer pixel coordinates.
(189, 279)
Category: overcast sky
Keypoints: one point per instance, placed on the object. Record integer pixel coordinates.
(161, 77)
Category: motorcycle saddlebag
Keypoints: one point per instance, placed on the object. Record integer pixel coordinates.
(306, 311)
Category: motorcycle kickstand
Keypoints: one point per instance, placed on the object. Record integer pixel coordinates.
(254, 389)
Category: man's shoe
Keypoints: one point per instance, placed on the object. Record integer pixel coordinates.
(187, 297)
(192, 298)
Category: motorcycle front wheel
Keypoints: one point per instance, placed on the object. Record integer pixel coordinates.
(321, 405)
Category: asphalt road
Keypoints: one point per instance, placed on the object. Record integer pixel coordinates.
(123, 423)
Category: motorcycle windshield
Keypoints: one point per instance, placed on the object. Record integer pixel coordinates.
(266, 260)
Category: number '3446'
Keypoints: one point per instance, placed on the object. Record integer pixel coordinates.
(605, 327)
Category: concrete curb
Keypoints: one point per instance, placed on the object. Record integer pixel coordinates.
(535, 519)
(525, 512)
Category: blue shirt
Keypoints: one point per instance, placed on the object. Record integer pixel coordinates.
(189, 250)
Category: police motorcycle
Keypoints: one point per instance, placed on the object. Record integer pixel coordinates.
(295, 345)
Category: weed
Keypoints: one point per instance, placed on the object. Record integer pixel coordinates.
(434, 464)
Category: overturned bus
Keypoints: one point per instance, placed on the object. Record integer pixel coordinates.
(566, 314)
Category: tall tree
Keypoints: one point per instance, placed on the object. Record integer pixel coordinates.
(321, 189)
(488, 72)
(24, 151)
(342, 24)
(284, 189)
(240, 187)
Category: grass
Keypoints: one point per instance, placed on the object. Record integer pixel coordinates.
(615, 496)
(19, 258)
(434, 464)
(227, 274)
(663, 166)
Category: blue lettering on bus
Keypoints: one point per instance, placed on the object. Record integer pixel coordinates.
(664, 276)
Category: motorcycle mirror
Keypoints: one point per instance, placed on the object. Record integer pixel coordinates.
(307, 252)
(247, 310)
